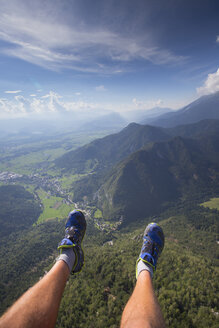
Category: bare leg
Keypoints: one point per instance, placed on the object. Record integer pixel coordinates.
(142, 309)
(38, 307)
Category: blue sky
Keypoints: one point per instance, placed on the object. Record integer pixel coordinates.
(106, 55)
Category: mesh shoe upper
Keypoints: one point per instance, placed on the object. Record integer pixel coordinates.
(153, 243)
(74, 233)
(75, 227)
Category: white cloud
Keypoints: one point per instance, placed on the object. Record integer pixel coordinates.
(13, 91)
(42, 37)
(211, 84)
(46, 104)
(53, 103)
(77, 93)
(100, 88)
(217, 40)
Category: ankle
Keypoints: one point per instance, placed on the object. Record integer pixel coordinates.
(68, 256)
(144, 267)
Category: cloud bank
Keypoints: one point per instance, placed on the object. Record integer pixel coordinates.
(50, 103)
(53, 103)
(211, 85)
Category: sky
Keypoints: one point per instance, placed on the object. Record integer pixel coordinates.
(119, 55)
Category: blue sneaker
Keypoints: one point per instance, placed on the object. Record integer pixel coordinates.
(153, 244)
(74, 233)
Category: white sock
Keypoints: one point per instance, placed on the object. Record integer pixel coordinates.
(144, 266)
(68, 256)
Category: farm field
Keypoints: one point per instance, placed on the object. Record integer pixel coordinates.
(213, 203)
(53, 207)
(98, 214)
(28, 156)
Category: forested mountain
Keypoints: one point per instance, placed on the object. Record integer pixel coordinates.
(19, 209)
(162, 169)
(162, 172)
(206, 107)
(102, 153)
(199, 129)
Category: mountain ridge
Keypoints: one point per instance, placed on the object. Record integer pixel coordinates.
(104, 152)
(205, 107)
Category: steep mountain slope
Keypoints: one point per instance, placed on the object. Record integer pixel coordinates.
(206, 107)
(194, 130)
(19, 209)
(103, 153)
(99, 156)
(148, 179)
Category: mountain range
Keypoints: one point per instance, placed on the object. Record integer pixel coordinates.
(206, 107)
(103, 153)
(138, 170)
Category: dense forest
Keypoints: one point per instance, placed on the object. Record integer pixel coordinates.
(186, 281)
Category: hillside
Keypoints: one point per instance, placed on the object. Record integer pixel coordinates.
(206, 107)
(102, 153)
(194, 130)
(19, 209)
(150, 178)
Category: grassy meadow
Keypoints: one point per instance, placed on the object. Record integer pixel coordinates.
(213, 203)
(53, 207)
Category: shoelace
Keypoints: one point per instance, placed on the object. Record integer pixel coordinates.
(73, 234)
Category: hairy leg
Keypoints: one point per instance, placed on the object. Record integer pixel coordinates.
(142, 309)
(38, 307)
